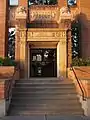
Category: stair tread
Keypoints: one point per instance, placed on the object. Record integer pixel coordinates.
(16, 112)
(47, 109)
(44, 96)
(44, 82)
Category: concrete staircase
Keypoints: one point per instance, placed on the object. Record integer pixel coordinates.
(49, 96)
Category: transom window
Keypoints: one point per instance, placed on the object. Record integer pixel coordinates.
(42, 2)
(13, 2)
(72, 2)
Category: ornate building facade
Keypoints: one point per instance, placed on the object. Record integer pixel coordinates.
(43, 39)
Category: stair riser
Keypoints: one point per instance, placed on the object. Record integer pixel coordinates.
(26, 113)
(47, 109)
(51, 102)
(44, 98)
(44, 86)
(50, 96)
(43, 82)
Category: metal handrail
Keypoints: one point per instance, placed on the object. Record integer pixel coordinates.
(83, 94)
(9, 86)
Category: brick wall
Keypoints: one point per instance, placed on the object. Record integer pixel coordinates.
(85, 27)
(62, 3)
(3, 27)
(83, 76)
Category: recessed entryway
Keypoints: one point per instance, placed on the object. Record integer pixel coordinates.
(43, 62)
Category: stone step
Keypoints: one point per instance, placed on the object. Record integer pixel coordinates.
(37, 112)
(46, 117)
(36, 85)
(47, 108)
(41, 105)
(45, 96)
(25, 96)
(73, 96)
(38, 81)
(45, 101)
(43, 90)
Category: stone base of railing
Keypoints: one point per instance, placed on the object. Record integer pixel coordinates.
(85, 105)
(2, 108)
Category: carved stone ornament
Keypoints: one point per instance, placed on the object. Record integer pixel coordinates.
(21, 12)
(65, 13)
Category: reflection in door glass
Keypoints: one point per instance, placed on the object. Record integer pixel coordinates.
(43, 63)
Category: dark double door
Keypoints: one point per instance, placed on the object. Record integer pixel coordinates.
(43, 63)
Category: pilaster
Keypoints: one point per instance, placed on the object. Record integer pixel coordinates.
(63, 57)
(23, 53)
(21, 36)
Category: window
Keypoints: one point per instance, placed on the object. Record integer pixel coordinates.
(11, 43)
(42, 2)
(75, 39)
(72, 2)
(13, 2)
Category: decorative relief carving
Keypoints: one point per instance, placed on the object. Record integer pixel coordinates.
(66, 14)
(60, 34)
(42, 15)
(22, 34)
(21, 12)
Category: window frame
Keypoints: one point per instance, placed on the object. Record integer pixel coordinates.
(12, 5)
(74, 5)
(43, 4)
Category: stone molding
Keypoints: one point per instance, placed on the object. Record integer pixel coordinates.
(45, 33)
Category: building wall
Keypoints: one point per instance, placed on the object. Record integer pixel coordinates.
(84, 18)
(3, 27)
(85, 27)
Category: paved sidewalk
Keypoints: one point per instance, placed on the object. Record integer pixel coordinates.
(45, 118)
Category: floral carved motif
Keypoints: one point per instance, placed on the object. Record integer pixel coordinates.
(21, 12)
